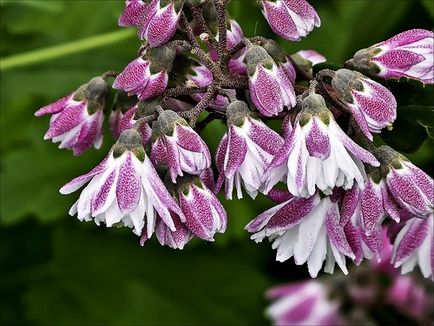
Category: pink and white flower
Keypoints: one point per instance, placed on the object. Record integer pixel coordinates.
(143, 77)
(308, 229)
(372, 105)
(408, 54)
(204, 214)
(412, 188)
(303, 303)
(290, 19)
(269, 86)
(312, 56)
(124, 121)
(156, 20)
(414, 245)
(244, 151)
(76, 120)
(124, 188)
(317, 154)
(179, 147)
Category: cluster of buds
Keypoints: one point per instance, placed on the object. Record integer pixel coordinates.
(195, 66)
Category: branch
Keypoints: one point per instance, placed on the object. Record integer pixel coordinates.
(221, 18)
(187, 28)
(197, 15)
(194, 113)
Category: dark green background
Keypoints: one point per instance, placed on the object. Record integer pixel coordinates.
(58, 271)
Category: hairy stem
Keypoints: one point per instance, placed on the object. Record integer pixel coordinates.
(187, 28)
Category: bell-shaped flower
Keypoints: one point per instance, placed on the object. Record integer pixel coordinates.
(303, 303)
(269, 86)
(204, 214)
(178, 146)
(122, 103)
(412, 188)
(156, 20)
(414, 245)
(124, 188)
(244, 151)
(283, 61)
(372, 105)
(290, 19)
(408, 54)
(76, 120)
(147, 76)
(309, 229)
(317, 154)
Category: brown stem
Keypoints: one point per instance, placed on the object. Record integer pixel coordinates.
(109, 74)
(194, 113)
(226, 92)
(198, 17)
(187, 28)
(221, 18)
(180, 91)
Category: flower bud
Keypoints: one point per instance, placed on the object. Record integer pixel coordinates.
(373, 106)
(270, 88)
(290, 19)
(408, 54)
(147, 76)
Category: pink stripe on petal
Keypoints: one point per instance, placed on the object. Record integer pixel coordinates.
(67, 120)
(269, 140)
(128, 188)
(156, 86)
(99, 198)
(236, 152)
(55, 107)
(411, 240)
(336, 232)
(162, 26)
(134, 77)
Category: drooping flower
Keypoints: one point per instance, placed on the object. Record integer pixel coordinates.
(309, 229)
(290, 19)
(76, 120)
(414, 245)
(317, 154)
(122, 104)
(372, 105)
(156, 20)
(303, 303)
(412, 188)
(204, 213)
(408, 54)
(147, 76)
(311, 55)
(124, 188)
(244, 151)
(178, 146)
(283, 61)
(270, 88)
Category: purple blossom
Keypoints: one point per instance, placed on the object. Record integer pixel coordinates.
(317, 154)
(269, 85)
(147, 76)
(372, 105)
(156, 20)
(178, 146)
(412, 188)
(76, 120)
(244, 151)
(204, 213)
(120, 122)
(408, 54)
(124, 188)
(414, 245)
(303, 303)
(309, 229)
(290, 19)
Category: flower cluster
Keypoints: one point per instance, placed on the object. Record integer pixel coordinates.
(333, 187)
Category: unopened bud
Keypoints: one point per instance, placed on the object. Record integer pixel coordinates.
(257, 55)
(237, 111)
(161, 58)
(167, 120)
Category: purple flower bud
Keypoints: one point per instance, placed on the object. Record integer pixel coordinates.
(373, 106)
(204, 214)
(270, 88)
(311, 55)
(156, 20)
(412, 189)
(147, 76)
(308, 229)
(414, 245)
(317, 154)
(77, 119)
(290, 19)
(244, 151)
(304, 303)
(408, 54)
(124, 188)
(178, 146)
